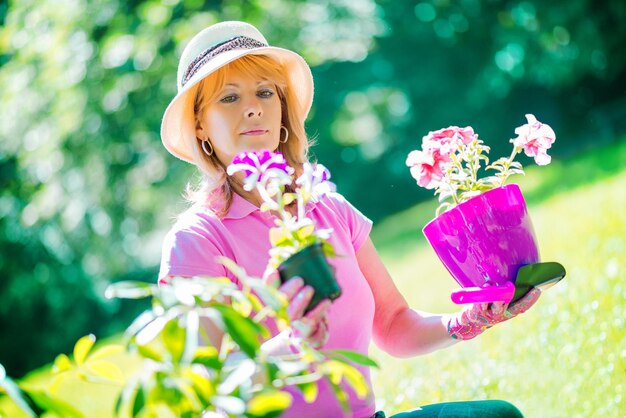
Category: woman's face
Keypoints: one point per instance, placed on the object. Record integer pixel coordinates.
(244, 116)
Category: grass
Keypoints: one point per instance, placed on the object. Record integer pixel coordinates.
(564, 358)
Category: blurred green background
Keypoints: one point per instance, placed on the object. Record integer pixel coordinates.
(87, 190)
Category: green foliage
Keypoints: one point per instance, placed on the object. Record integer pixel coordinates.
(9, 388)
(184, 370)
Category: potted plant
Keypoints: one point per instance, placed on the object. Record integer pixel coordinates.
(298, 248)
(482, 231)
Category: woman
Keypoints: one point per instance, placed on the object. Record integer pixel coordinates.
(236, 93)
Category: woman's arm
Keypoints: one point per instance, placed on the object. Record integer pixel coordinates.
(398, 329)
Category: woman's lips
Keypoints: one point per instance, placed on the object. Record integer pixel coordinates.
(255, 132)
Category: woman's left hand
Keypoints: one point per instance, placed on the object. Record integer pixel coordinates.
(479, 317)
(311, 326)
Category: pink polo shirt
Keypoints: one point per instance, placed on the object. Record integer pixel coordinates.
(199, 236)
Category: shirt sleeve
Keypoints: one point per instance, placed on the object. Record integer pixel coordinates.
(358, 224)
(189, 253)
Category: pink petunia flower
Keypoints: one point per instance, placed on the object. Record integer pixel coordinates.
(535, 138)
(448, 139)
(313, 175)
(426, 167)
(260, 167)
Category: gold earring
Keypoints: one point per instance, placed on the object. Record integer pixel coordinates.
(210, 151)
(284, 141)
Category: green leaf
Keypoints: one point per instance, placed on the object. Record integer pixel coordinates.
(337, 371)
(269, 296)
(288, 198)
(19, 397)
(203, 387)
(83, 347)
(139, 401)
(353, 356)
(341, 396)
(57, 381)
(309, 391)
(230, 404)
(271, 370)
(192, 328)
(106, 370)
(233, 267)
(269, 401)
(62, 363)
(328, 249)
(166, 391)
(241, 304)
(305, 231)
(106, 351)
(279, 237)
(256, 303)
(292, 367)
(242, 330)
(50, 404)
(140, 322)
(266, 207)
(489, 182)
(150, 331)
(125, 395)
(356, 380)
(208, 356)
(468, 195)
(174, 339)
(3, 373)
(333, 370)
(148, 352)
(130, 289)
(240, 375)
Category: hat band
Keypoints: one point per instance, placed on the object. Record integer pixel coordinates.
(238, 42)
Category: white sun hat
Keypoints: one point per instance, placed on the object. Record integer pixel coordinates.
(211, 49)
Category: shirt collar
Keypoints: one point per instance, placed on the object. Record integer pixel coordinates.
(239, 208)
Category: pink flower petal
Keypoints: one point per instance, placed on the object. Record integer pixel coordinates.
(542, 158)
(535, 138)
(419, 157)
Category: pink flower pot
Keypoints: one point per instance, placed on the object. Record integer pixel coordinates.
(483, 242)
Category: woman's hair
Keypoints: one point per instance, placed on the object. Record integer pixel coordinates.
(215, 189)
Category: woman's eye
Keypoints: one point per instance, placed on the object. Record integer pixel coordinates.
(266, 93)
(229, 99)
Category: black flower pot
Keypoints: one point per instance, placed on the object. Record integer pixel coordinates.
(311, 264)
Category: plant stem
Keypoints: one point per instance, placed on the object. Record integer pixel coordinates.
(454, 196)
(507, 164)
(301, 202)
(473, 162)
(459, 168)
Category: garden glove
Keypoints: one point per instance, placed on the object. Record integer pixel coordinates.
(478, 317)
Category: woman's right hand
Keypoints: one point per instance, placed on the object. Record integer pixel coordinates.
(478, 317)
(312, 326)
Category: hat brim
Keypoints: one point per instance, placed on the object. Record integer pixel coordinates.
(177, 134)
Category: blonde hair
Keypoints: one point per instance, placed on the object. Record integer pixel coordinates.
(216, 186)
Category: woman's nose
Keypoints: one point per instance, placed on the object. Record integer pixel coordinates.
(253, 108)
